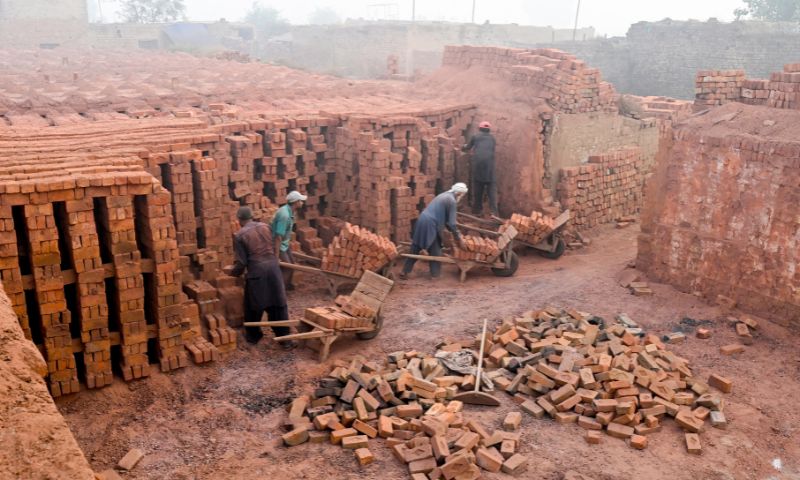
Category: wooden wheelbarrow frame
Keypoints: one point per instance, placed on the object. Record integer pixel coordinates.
(505, 264)
(551, 247)
(371, 290)
(334, 281)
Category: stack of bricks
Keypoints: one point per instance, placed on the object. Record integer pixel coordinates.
(531, 229)
(338, 318)
(565, 82)
(606, 188)
(478, 249)
(356, 250)
(717, 87)
(309, 241)
(222, 336)
(602, 375)
(782, 90)
(202, 350)
(406, 402)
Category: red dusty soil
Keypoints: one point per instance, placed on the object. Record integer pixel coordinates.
(222, 421)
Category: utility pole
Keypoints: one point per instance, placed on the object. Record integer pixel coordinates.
(473, 11)
(413, 10)
(577, 14)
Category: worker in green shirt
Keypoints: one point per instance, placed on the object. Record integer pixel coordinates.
(282, 224)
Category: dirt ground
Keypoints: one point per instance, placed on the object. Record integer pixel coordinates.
(222, 420)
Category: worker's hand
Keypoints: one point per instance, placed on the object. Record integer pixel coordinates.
(227, 269)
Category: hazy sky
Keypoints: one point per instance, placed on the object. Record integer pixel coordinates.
(611, 17)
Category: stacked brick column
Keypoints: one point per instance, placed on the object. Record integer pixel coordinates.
(126, 259)
(10, 272)
(606, 188)
(183, 208)
(159, 244)
(90, 276)
(49, 283)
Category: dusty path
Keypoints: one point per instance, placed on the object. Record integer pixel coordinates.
(222, 421)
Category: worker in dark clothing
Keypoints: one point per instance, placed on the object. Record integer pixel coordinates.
(439, 214)
(264, 289)
(482, 147)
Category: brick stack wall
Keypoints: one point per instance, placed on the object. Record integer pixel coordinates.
(721, 210)
(608, 187)
(782, 90)
(564, 81)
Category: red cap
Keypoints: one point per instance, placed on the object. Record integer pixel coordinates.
(485, 124)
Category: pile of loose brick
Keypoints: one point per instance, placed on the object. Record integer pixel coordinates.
(565, 82)
(781, 90)
(408, 403)
(477, 249)
(606, 188)
(356, 250)
(604, 376)
(531, 229)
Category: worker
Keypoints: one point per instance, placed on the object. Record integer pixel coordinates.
(264, 290)
(282, 224)
(439, 214)
(482, 147)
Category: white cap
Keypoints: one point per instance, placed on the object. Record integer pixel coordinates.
(459, 188)
(295, 196)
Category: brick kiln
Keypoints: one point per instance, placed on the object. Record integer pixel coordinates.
(721, 213)
(115, 232)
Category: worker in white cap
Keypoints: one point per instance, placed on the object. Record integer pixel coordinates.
(282, 224)
(441, 213)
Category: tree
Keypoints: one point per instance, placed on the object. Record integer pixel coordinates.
(324, 16)
(152, 11)
(267, 21)
(770, 10)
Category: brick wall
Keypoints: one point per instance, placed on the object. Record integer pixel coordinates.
(661, 58)
(722, 208)
(608, 187)
(781, 90)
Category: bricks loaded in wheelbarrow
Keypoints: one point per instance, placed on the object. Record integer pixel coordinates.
(537, 230)
(359, 313)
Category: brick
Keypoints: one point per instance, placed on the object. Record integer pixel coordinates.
(592, 437)
(366, 429)
(693, 444)
(703, 333)
(619, 431)
(364, 456)
(638, 442)
(720, 383)
(385, 426)
(718, 420)
(409, 411)
(530, 407)
(731, 349)
(338, 435)
(440, 447)
(424, 465)
(355, 441)
(489, 459)
(515, 465)
(129, 461)
(512, 421)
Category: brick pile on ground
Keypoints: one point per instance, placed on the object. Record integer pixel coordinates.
(407, 402)
(564, 81)
(606, 376)
(606, 188)
(531, 229)
(356, 250)
(477, 249)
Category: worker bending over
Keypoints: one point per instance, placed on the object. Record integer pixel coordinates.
(264, 290)
(439, 214)
(482, 147)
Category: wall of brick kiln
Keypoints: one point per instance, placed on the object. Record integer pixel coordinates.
(718, 87)
(418, 46)
(606, 188)
(36, 22)
(661, 58)
(721, 218)
(28, 414)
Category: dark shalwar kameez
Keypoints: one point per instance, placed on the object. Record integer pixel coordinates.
(439, 214)
(483, 175)
(264, 289)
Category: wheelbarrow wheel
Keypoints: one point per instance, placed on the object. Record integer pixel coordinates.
(372, 333)
(561, 246)
(513, 264)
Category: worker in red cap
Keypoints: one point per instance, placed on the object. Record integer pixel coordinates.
(482, 147)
